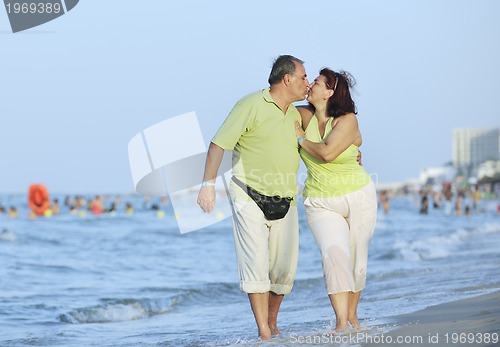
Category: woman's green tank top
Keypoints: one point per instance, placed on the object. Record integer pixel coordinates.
(329, 179)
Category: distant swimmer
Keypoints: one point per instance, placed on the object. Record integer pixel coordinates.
(55, 207)
(384, 200)
(112, 208)
(96, 205)
(7, 235)
(424, 203)
(38, 199)
(12, 212)
(476, 198)
(128, 208)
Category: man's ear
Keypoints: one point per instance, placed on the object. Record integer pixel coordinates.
(287, 78)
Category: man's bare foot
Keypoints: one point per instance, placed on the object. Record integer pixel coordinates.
(274, 330)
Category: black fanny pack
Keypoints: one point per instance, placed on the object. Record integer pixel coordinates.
(273, 207)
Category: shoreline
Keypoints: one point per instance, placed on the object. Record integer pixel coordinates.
(473, 321)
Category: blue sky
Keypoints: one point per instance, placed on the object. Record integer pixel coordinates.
(75, 90)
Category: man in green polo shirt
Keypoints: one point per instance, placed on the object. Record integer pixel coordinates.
(260, 130)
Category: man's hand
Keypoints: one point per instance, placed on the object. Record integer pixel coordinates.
(206, 198)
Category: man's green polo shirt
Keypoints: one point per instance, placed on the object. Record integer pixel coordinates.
(265, 155)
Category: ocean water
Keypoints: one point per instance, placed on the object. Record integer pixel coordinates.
(134, 280)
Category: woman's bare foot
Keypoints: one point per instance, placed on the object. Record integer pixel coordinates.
(341, 328)
(265, 333)
(354, 322)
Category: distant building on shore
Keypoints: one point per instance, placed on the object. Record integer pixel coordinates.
(437, 175)
(473, 147)
(489, 171)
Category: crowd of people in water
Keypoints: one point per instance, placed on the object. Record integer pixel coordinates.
(462, 201)
(452, 200)
(80, 205)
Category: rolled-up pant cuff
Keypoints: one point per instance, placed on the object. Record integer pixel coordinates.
(255, 287)
(281, 289)
(264, 287)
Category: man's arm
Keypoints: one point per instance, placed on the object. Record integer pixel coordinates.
(206, 196)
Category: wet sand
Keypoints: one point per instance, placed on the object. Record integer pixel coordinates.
(469, 322)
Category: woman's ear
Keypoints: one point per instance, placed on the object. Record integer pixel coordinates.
(328, 94)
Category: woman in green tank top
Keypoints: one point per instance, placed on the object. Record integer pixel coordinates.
(339, 196)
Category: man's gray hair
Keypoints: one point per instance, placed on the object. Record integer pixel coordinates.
(283, 65)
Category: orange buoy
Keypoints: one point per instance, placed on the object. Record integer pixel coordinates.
(38, 199)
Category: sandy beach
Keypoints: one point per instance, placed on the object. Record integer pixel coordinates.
(469, 322)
